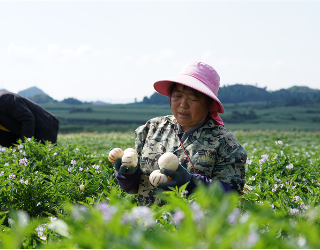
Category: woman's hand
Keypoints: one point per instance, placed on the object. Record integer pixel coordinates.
(179, 177)
(122, 169)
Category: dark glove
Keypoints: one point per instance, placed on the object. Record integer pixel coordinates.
(122, 169)
(179, 177)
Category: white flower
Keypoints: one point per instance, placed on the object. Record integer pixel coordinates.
(294, 211)
(252, 238)
(252, 178)
(2, 173)
(249, 161)
(52, 219)
(290, 166)
(20, 146)
(28, 139)
(80, 169)
(96, 167)
(142, 215)
(26, 182)
(303, 206)
(73, 162)
(107, 210)
(21, 181)
(6, 164)
(279, 142)
(23, 161)
(297, 198)
(233, 216)
(12, 176)
(178, 217)
(55, 153)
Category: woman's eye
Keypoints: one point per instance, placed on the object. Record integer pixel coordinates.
(178, 95)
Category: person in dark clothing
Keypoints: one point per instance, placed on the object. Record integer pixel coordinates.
(21, 117)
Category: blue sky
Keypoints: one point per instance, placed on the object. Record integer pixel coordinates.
(114, 51)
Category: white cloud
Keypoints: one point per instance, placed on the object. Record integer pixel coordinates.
(55, 53)
(52, 53)
(19, 53)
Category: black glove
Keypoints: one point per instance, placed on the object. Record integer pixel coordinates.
(122, 169)
(179, 177)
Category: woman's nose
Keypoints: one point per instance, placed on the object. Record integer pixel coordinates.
(184, 102)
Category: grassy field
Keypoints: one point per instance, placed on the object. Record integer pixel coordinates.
(127, 117)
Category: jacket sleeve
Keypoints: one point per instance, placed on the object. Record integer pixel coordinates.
(230, 164)
(18, 110)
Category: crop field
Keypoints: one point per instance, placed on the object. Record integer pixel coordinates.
(126, 117)
(66, 196)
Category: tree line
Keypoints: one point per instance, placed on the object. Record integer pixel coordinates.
(240, 93)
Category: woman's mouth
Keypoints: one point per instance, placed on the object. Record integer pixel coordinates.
(183, 114)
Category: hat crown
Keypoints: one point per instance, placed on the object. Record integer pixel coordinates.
(204, 73)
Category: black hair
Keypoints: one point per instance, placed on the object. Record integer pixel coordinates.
(173, 87)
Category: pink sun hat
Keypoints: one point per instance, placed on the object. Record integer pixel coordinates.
(198, 76)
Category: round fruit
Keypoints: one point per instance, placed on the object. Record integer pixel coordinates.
(156, 177)
(130, 150)
(168, 161)
(115, 154)
(130, 159)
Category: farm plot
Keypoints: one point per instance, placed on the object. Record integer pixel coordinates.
(66, 196)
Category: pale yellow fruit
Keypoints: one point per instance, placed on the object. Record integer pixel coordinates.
(130, 159)
(156, 177)
(82, 187)
(115, 154)
(168, 161)
(130, 150)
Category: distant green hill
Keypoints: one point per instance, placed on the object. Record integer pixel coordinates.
(31, 92)
(239, 93)
(42, 98)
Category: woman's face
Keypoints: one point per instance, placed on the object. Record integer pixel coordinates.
(189, 107)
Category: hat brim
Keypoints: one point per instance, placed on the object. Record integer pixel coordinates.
(162, 87)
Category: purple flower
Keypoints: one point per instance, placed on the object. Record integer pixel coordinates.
(294, 211)
(279, 142)
(73, 162)
(12, 176)
(178, 217)
(234, 216)
(297, 198)
(107, 210)
(290, 166)
(23, 161)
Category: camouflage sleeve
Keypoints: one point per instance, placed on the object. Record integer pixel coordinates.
(140, 137)
(231, 160)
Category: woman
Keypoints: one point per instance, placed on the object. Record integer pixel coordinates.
(195, 133)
